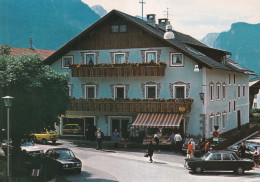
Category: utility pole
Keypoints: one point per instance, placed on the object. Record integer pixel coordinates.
(167, 12)
(142, 2)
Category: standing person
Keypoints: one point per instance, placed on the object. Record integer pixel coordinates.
(100, 137)
(156, 139)
(193, 147)
(189, 150)
(178, 141)
(150, 151)
(207, 146)
(172, 141)
(242, 150)
(256, 157)
(116, 136)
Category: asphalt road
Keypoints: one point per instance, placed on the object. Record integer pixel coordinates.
(125, 166)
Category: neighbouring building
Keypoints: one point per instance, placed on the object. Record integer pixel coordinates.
(254, 94)
(137, 76)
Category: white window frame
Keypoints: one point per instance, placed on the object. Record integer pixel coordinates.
(211, 120)
(244, 90)
(218, 91)
(62, 62)
(85, 57)
(119, 53)
(176, 64)
(211, 92)
(174, 90)
(224, 120)
(115, 90)
(86, 90)
(146, 90)
(224, 91)
(151, 52)
(238, 91)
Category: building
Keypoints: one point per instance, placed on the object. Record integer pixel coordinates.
(254, 94)
(129, 72)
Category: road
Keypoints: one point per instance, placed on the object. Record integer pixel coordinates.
(124, 166)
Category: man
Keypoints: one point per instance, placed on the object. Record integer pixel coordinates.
(156, 139)
(178, 141)
(100, 136)
(116, 136)
(242, 150)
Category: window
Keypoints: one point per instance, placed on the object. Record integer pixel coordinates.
(118, 28)
(229, 106)
(215, 156)
(89, 58)
(217, 121)
(119, 58)
(226, 157)
(66, 61)
(224, 120)
(119, 92)
(238, 91)
(211, 92)
(151, 92)
(180, 92)
(234, 105)
(150, 56)
(244, 90)
(211, 123)
(255, 105)
(176, 59)
(234, 78)
(90, 91)
(224, 91)
(229, 78)
(218, 91)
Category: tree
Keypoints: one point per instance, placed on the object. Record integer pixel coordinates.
(40, 95)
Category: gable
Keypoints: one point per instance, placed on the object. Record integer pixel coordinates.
(102, 37)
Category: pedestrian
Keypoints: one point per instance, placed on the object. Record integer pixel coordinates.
(156, 139)
(150, 151)
(100, 137)
(172, 141)
(189, 150)
(242, 150)
(178, 141)
(115, 136)
(256, 157)
(207, 146)
(193, 147)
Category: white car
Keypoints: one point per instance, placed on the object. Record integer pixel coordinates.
(31, 148)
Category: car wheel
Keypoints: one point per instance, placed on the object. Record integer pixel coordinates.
(198, 170)
(44, 141)
(78, 171)
(239, 171)
(53, 141)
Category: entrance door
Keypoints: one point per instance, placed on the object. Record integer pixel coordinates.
(116, 125)
(121, 125)
(239, 119)
(90, 129)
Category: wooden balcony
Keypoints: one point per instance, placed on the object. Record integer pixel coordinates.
(118, 71)
(132, 106)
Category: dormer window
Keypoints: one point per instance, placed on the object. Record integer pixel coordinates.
(118, 28)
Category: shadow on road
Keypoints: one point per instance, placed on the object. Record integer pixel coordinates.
(226, 174)
(159, 162)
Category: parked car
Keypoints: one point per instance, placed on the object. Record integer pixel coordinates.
(199, 149)
(31, 148)
(65, 159)
(221, 161)
(46, 136)
(248, 154)
(72, 129)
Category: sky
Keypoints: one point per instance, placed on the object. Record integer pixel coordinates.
(192, 17)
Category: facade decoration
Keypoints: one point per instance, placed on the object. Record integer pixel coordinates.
(187, 86)
(89, 83)
(158, 85)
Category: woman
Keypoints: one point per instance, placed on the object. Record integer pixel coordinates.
(256, 157)
(150, 151)
(189, 150)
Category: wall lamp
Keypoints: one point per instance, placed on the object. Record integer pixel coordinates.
(197, 68)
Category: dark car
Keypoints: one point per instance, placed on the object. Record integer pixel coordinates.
(248, 153)
(65, 159)
(221, 161)
(199, 147)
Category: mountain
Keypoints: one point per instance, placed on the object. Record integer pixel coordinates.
(210, 39)
(99, 10)
(51, 23)
(243, 41)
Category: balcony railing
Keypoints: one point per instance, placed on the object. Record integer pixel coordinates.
(118, 70)
(99, 105)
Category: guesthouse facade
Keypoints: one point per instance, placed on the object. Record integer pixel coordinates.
(125, 74)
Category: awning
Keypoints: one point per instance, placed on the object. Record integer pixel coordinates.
(157, 120)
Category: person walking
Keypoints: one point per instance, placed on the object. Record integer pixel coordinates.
(207, 146)
(193, 147)
(242, 150)
(150, 151)
(115, 136)
(189, 150)
(100, 137)
(172, 141)
(156, 139)
(178, 140)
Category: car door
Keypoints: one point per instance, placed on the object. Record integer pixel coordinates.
(214, 162)
(228, 161)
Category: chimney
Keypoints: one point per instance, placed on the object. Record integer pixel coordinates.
(151, 19)
(162, 23)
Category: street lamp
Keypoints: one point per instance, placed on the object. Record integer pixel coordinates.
(8, 103)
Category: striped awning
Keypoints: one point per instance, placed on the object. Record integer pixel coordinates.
(157, 120)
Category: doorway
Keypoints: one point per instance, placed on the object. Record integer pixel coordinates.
(239, 119)
(90, 129)
(121, 124)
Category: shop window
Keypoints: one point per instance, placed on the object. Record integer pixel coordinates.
(151, 92)
(151, 56)
(176, 59)
(90, 91)
(66, 61)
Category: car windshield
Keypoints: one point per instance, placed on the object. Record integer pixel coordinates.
(205, 156)
(27, 144)
(65, 153)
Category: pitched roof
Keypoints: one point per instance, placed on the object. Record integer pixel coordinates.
(42, 53)
(182, 42)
